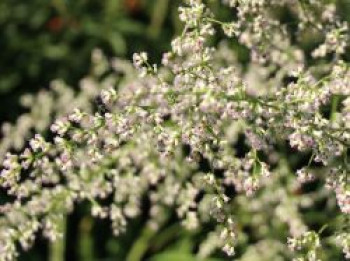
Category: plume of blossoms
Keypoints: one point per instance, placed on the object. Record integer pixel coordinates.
(136, 137)
(59, 100)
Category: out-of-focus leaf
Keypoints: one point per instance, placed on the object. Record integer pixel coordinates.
(55, 51)
(128, 26)
(8, 82)
(178, 256)
(117, 43)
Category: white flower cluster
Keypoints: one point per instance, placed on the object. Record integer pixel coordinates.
(156, 137)
(59, 100)
(309, 242)
(344, 241)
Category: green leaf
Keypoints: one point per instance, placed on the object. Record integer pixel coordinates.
(55, 52)
(127, 26)
(176, 256)
(117, 43)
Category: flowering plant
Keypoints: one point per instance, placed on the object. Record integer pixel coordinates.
(207, 138)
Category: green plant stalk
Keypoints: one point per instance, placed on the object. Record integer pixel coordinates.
(141, 245)
(166, 236)
(57, 248)
(158, 16)
(334, 105)
(85, 240)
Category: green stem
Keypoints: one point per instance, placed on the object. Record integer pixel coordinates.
(335, 101)
(57, 248)
(141, 245)
(159, 13)
(165, 236)
(85, 240)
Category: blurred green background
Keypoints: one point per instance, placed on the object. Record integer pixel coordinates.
(44, 40)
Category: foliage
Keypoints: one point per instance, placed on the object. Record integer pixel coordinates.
(43, 40)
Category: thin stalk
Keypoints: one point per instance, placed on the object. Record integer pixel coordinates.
(85, 240)
(158, 16)
(57, 248)
(334, 106)
(141, 245)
